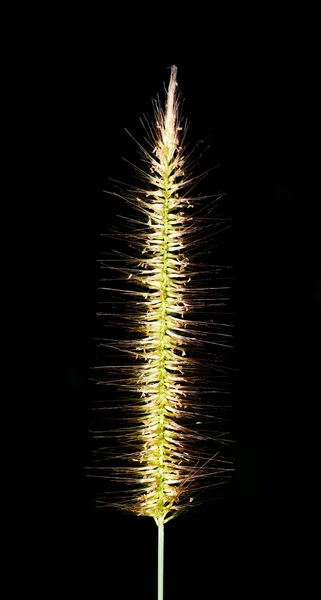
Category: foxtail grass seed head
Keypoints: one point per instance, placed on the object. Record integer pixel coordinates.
(170, 367)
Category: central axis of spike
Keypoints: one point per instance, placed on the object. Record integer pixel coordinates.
(162, 353)
(166, 149)
(160, 342)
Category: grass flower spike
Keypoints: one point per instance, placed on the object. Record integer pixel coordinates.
(160, 453)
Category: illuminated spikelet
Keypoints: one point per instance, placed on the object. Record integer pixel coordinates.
(169, 366)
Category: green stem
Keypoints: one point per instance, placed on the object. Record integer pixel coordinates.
(160, 585)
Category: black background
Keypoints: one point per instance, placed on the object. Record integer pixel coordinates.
(252, 96)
